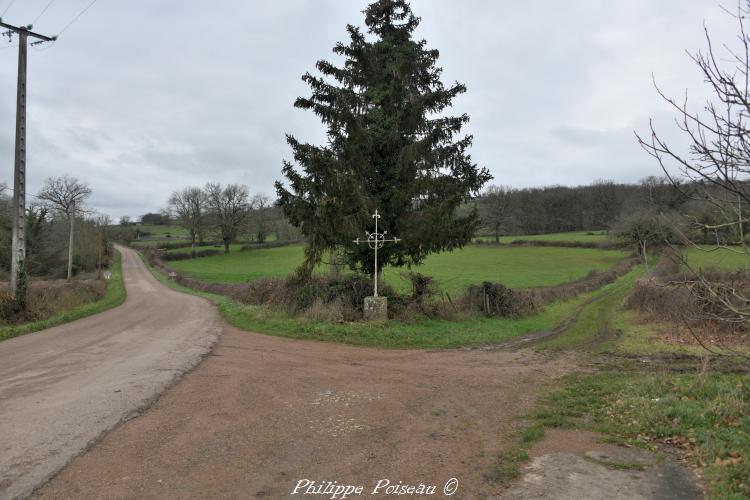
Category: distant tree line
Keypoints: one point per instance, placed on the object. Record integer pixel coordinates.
(507, 211)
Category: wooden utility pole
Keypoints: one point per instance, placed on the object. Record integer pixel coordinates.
(18, 259)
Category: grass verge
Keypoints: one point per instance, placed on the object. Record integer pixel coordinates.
(601, 320)
(605, 326)
(113, 297)
(705, 415)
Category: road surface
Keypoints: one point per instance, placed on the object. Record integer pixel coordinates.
(261, 413)
(62, 388)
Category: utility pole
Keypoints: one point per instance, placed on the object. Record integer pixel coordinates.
(18, 259)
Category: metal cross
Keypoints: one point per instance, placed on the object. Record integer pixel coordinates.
(375, 241)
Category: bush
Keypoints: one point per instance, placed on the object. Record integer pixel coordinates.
(333, 312)
(9, 309)
(185, 256)
(495, 299)
(422, 286)
(681, 298)
(48, 298)
(351, 289)
(272, 244)
(601, 245)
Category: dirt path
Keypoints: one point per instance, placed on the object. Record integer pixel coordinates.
(63, 387)
(262, 413)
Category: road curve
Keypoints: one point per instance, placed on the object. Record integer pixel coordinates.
(61, 388)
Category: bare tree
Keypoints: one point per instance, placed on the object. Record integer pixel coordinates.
(644, 229)
(189, 207)
(229, 209)
(102, 222)
(260, 203)
(717, 164)
(66, 195)
(497, 201)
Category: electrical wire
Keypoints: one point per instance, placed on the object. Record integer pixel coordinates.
(43, 11)
(7, 8)
(76, 18)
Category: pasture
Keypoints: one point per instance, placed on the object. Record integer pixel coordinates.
(162, 230)
(516, 267)
(722, 259)
(578, 236)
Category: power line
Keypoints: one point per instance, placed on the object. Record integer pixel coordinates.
(8, 7)
(43, 11)
(18, 244)
(76, 18)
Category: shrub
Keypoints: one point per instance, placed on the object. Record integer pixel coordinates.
(682, 298)
(271, 244)
(9, 309)
(48, 298)
(334, 311)
(351, 288)
(601, 245)
(422, 286)
(185, 256)
(495, 299)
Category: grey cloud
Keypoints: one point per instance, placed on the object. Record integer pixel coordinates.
(141, 97)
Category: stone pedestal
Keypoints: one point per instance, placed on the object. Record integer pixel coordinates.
(376, 309)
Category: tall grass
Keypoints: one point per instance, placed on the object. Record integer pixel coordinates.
(113, 297)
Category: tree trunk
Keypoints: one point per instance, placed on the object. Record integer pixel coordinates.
(101, 255)
(645, 256)
(497, 235)
(226, 246)
(70, 247)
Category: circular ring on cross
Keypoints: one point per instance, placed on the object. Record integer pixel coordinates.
(375, 240)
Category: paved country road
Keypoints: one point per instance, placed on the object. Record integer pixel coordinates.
(61, 388)
(260, 414)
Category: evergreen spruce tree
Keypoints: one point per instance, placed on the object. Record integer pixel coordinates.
(390, 147)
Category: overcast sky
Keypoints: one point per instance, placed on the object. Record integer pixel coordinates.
(139, 97)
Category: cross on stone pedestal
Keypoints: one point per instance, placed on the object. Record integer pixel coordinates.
(375, 241)
(376, 308)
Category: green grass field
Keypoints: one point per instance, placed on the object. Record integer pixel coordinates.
(516, 267)
(162, 230)
(423, 333)
(583, 236)
(720, 259)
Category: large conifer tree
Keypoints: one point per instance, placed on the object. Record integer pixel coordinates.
(390, 147)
